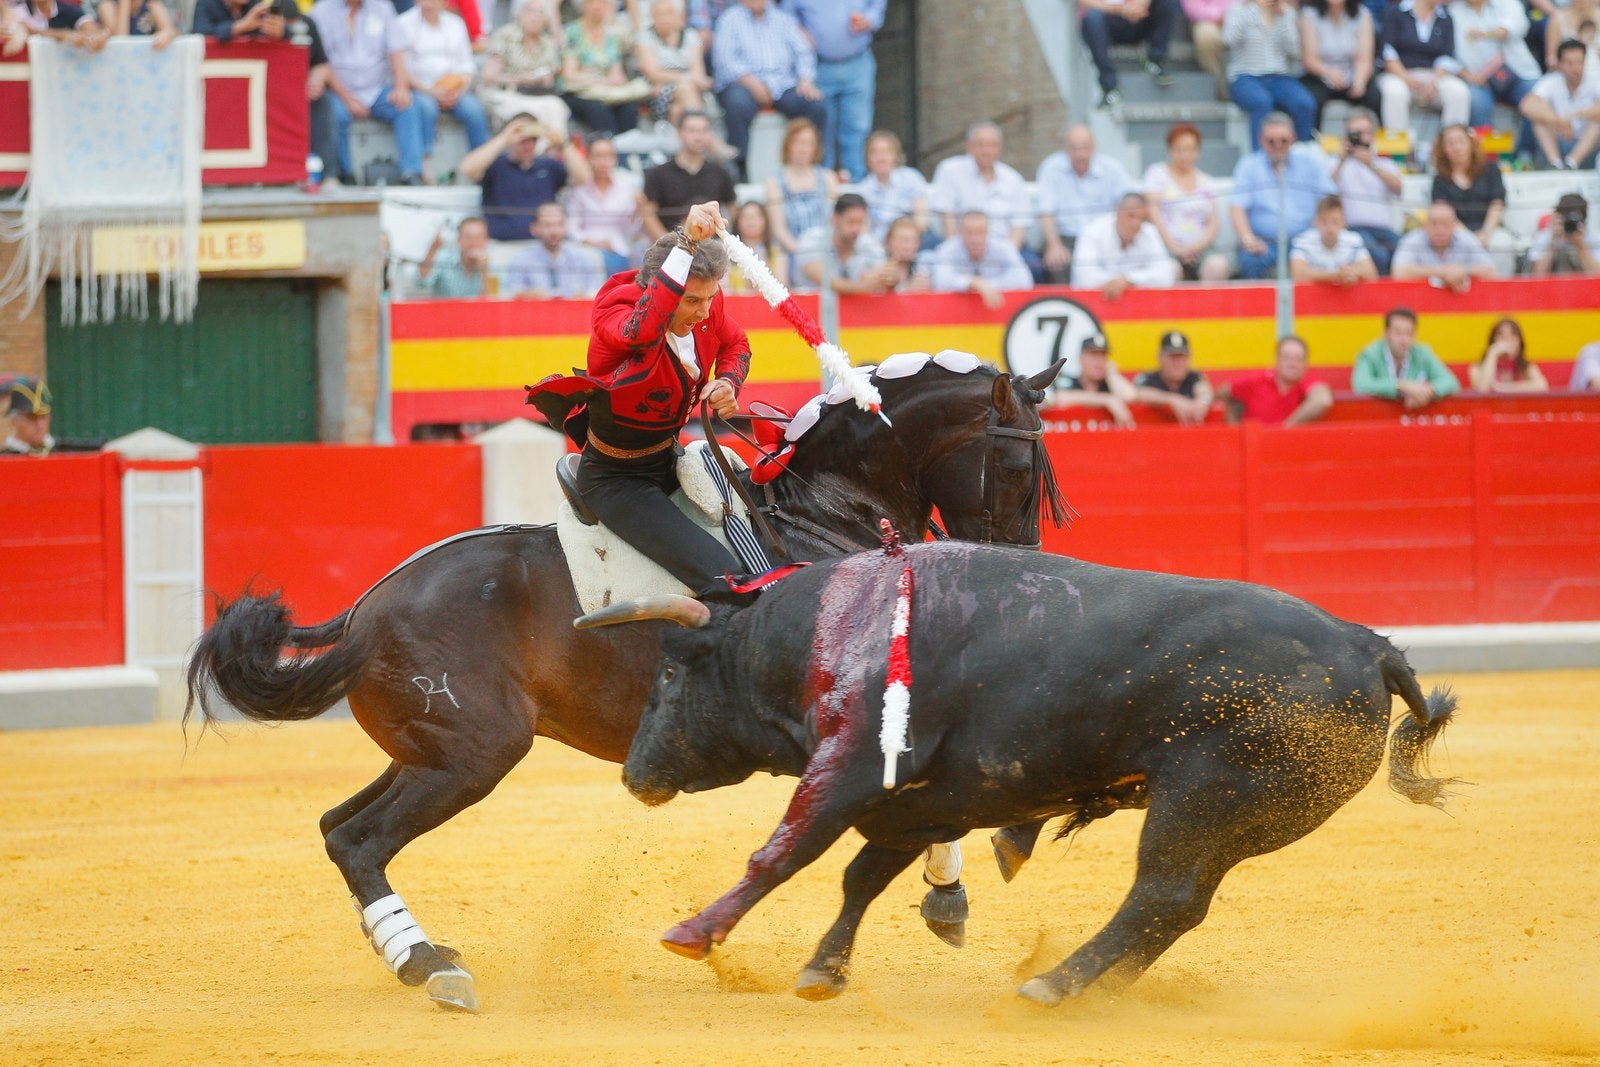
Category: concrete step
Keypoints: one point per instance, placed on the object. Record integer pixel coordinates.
(90, 696)
(1189, 86)
(1167, 112)
(1180, 54)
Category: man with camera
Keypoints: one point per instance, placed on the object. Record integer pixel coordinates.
(1369, 187)
(1566, 245)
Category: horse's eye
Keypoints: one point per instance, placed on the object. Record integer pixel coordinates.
(668, 672)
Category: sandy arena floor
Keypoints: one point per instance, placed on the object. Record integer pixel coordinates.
(164, 909)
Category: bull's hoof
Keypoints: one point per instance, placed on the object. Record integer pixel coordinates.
(452, 989)
(1041, 991)
(944, 909)
(686, 941)
(820, 983)
(1008, 856)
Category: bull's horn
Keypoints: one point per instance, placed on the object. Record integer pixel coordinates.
(686, 611)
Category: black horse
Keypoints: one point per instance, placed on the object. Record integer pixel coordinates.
(456, 661)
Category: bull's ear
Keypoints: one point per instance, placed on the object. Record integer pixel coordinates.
(1005, 401)
(1047, 377)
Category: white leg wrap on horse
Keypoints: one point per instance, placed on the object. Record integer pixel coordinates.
(942, 864)
(392, 929)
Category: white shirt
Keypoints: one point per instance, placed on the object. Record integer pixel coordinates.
(683, 348)
(434, 51)
(1348, 248)
(1100, 256)
(958, 186)
(1367, 200)
(1507, 15)
(1552, 89)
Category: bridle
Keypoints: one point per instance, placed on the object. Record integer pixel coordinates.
(991, 458)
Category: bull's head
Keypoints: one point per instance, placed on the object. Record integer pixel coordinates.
(1009, 464)
(686, 741)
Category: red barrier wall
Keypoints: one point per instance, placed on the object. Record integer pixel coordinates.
(1487, 519)
(324, 522)
(60, 562)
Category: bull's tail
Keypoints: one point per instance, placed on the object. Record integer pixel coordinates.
(240, 658)
(1409, 744)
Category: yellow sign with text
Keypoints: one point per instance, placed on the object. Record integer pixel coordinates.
(278, 244)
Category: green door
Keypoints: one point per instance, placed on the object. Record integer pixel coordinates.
(244, 369)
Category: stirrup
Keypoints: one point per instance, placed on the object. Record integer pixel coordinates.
(567, 478)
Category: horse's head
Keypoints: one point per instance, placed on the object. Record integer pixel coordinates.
(994, 478)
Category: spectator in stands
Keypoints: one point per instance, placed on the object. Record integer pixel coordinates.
(1473, 187)
(594, 84)
(703, 16)
(977, 261)
(1175, 384)
(671, 56)
(689, 177)
(799, 193)
(847, 75)
(979, 181)
(1183, 206)
(1108, 22)
(603, 212)
(892, 189)
(1586, 369)
(751, 225)
(1398, 366)
(1098, 383)
(1262, 180)
(13, 38)
(1443, 252)
(516, 178)
(1338, 49)
(1504, 366)
(1075, 187)
(1370, 187)
(1263, 41)
(1282, 396)
(1565, 22)
(1419, 64)
(853, 258)
(1564, 109)
(554, 266)
(226, 20)
(1565, 245)
(441, 65)
(462, 273)
(520, 66)
(1122, 250)
(1494, 57)
(367, 73)
(908, 265)
(60, 21)
(139, 18)
(1205, 28)
(762, 59)
(1330, 253)
(27, 419)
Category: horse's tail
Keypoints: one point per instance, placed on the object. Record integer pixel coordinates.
(241, 659)
(1409, 744)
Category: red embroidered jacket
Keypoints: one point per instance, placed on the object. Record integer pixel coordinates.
(650, 394)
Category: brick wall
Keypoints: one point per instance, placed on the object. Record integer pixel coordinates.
(21, 339)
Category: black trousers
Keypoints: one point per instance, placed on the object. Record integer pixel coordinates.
(1372, 100)
(630, 498)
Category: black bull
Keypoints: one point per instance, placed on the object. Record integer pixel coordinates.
(1042, 686)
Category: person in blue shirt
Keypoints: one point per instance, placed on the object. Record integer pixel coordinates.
(1271, 176)
(847, 74)
(763, 59)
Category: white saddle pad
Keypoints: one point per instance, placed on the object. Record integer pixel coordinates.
(606, 569)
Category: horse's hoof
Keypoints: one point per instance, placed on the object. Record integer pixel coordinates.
(686, 941)
(452, 988)
(1007, 856)
(1041, 991)
(952, 934)
(820, 983)
(448, 954)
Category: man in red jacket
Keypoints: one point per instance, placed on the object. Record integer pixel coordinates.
(661, 342)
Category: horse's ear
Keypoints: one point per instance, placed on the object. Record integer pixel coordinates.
(1005, 400)
(1047, 377)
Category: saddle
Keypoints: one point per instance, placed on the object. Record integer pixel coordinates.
(605, 568)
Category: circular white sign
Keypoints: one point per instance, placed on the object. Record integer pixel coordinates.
(1043, 331)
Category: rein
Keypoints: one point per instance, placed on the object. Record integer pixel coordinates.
(994, 429)
(756, 514)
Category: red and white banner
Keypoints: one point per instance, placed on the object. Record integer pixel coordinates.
(257, 122)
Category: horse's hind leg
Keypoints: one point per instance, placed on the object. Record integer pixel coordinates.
(336, 816)
(464, 764)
